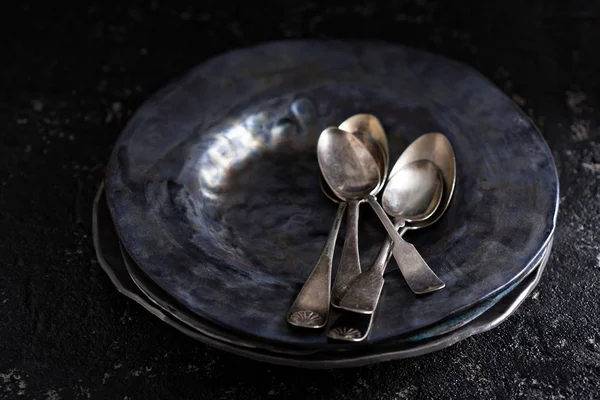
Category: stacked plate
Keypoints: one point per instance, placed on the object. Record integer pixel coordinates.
(212, 216)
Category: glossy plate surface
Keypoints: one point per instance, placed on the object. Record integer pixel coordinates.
(488, 316)
(214, 187)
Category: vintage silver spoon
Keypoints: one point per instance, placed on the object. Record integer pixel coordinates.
(352, 174)
(355, 327)
(369, 131)
(311, 306)
(412, 194)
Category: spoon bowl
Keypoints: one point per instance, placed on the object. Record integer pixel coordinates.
(436, 148)
(368, 129)
(414, 192)
(348, 167)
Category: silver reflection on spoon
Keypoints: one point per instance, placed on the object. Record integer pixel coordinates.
(414, 192)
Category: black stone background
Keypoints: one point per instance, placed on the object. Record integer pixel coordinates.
(72, 74)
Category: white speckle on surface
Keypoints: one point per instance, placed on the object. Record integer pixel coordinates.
(580, 130)
(592, 340)
(52, 394)
(117, 366)
(536, 296)
(115, 111)
(406, 393)
(105, 377)
(192, 368)
(84, 392)
(594, 167)
(11, 382)
(562, 343)
(116, 107)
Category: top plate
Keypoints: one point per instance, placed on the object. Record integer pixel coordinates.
(214, 187)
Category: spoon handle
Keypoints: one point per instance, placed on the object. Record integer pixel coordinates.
(363, 293)
(311, 307)
(349, 267)
(350, 327)
(419, 277)
(383, 257)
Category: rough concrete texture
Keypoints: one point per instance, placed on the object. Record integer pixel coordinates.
(72, 75)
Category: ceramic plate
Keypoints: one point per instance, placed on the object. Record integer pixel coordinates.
(107, 248)
(214, 192)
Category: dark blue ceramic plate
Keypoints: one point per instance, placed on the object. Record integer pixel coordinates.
(109, 255)
(214, 189)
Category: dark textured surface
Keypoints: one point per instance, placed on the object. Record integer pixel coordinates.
(217, 198)
(70, 79)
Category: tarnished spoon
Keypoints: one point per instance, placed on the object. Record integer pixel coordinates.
(436, 148)
(412, 194)
(311, 306)
(368, 130)
(352, 174)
